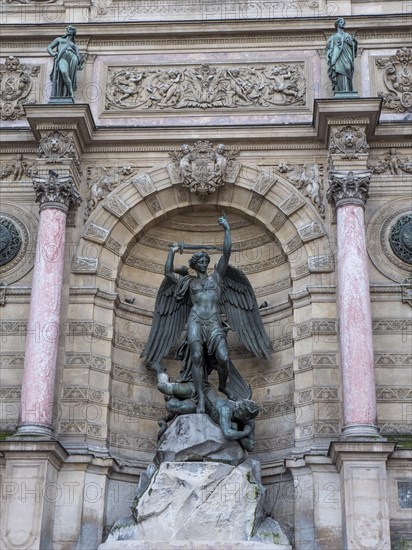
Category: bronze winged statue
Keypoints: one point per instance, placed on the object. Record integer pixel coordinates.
(198, 302)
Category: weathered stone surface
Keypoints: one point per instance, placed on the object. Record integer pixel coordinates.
(190, 545)
(194, 437)
(198, 502)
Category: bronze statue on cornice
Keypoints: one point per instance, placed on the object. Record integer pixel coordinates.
(67, 61)
(341, 50)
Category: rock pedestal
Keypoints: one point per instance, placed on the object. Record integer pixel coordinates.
(199, 504)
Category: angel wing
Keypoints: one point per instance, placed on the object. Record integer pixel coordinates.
(170, 316)
(240, 305)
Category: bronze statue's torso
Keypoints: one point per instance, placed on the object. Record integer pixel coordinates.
(205, 295)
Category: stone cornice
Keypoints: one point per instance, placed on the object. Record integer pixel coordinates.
(281, 25)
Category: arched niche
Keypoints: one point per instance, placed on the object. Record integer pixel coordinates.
(122, 253)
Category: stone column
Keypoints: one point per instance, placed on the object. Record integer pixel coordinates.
(56, 194)
(348, 191)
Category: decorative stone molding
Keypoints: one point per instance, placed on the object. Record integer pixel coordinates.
(275, 408)
(144, 184)
(17, 85)
(378, 232)
(397, 78)
(82, 264)
(321, 264)
(291, 204)
(131, 376)
(130, 441)
(407, 291)
(205, 87)
(17, 226)
(280, 376)
(10, 240)
(56, 191)
(95, 233)
(203, 169)
(140, 410)
(307, 179)
(87, 329)
(311, 231)
(347, 187)
(283, 441)
(400, 238)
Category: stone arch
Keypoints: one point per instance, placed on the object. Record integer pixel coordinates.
(142, 202)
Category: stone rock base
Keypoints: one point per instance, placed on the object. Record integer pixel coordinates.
(190, 545)
(200, 505)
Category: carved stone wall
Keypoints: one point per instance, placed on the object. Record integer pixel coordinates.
(159, 75)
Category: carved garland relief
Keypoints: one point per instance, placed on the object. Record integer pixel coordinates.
(206, 86)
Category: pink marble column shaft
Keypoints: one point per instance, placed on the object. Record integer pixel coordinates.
(44, 322)
(355, 323)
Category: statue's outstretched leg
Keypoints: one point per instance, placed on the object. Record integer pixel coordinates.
(222, 359)
(196, 350)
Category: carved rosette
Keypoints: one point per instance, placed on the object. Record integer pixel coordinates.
(56, 191)
(347, 187)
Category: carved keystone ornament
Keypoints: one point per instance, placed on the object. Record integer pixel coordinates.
(203, 169)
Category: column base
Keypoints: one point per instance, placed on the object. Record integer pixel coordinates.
(364, 492)
(34, 430)
(361, 432)
(30, 493)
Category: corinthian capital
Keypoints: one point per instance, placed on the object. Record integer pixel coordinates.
(347, 187)
(56, 191)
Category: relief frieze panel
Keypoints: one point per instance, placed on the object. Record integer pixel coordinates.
(205, 87)
(17, 169)
(392, 163)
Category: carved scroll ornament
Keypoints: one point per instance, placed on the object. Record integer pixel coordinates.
(397, 78)
(205, 87)
(16, 85)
